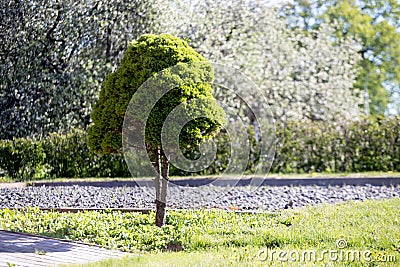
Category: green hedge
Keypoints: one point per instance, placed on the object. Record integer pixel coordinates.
(357, 146)
(300, 148)
(58, 155)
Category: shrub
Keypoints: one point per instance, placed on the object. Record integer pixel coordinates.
(69, 156)
(22, 158)
(58, 155)
(158, 61)
(148, 55)
(359, 146)
(363, 145)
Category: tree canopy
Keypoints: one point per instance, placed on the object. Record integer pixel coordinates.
(144, 58)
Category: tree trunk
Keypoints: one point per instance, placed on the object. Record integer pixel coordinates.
(161, 200)
(157, 165)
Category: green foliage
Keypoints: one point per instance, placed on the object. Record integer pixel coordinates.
(375, 24)
(380, 45)
(360, 146)
(223, 157)
(57, 155)
(312, 227)
(22, 158)
(144, 58)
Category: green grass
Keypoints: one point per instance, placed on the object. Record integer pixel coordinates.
(245, 256)
(212, 238)
(6, 179)
(271, 175)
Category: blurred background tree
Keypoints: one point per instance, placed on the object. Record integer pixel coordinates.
(376, 26)
(304, 75)
(55, 54)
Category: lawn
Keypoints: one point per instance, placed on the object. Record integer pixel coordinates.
(352, 233)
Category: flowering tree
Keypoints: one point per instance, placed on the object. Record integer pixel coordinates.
(305, 76)
(55, 54)
(375, 25)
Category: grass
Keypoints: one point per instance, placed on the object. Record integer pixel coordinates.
(271, 175)
(247, 256)
(218, 238)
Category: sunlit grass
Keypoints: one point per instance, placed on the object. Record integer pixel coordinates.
(209, 238)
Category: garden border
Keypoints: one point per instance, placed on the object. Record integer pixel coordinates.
(193, 182)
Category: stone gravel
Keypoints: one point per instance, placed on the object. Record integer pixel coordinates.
(269, 198)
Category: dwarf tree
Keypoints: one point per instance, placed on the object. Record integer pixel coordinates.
(145, 59)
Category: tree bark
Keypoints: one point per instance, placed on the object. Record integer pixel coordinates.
(157, 165)
(161, 200)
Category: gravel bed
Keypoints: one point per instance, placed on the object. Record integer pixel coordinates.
(270, 198)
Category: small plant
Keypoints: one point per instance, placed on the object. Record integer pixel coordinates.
(40, 252)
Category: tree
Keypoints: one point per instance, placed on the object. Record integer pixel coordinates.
(305, 76)
(375, 24)
(148, 57)
(54, 55)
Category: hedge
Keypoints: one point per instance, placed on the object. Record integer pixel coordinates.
(357, 146)
(58, 155)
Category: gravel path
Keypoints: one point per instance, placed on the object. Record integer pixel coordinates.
(269, 198)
